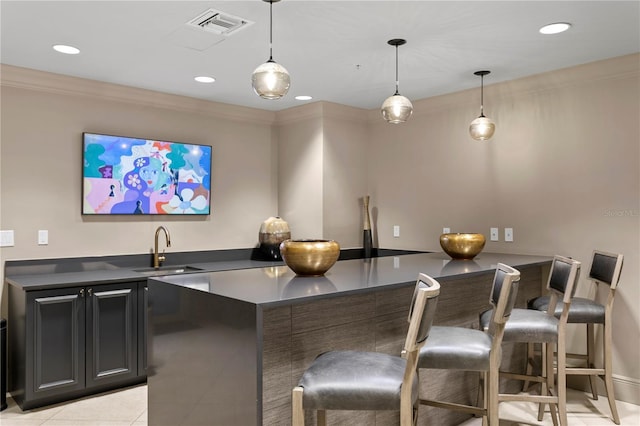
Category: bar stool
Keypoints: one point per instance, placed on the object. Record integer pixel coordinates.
(605, 271)
(459, 348)
(533, 326)
(358, 380)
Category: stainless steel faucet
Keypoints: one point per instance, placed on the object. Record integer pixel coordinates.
(159, 258)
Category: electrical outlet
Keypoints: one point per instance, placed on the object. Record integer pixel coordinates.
(396, 231)
(508, 234)
(495, 235)
(446, 230)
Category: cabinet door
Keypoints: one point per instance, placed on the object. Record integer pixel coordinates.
(112, 333)
(55, 352)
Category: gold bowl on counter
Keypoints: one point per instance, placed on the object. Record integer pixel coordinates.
(462, 245)
(310, 257)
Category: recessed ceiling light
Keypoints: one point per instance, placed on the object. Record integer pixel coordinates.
(69, 50)
(555, 28)
(303, 98)
(204, 79)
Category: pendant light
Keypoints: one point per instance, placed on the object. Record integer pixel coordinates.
(396, 108)
(482, 128)
(270, 80)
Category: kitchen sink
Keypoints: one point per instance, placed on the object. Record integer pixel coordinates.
(167, 270)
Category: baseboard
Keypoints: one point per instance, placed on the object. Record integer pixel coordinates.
(626, 389)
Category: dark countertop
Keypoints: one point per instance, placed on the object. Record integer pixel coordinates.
(40, 281)
(274, 285)
(42, 274)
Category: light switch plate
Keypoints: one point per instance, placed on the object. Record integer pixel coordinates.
(396, 231)
(495, 234)
(446, 230)
(43, 237)
(508, 234)
(6, 238)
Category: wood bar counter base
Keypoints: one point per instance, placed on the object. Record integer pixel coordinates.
(227, 347)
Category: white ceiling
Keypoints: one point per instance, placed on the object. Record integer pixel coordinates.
(335, 51)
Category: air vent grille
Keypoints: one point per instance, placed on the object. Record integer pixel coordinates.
(219, 22)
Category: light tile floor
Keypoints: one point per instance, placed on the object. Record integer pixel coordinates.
(582, 410)
(128, 407)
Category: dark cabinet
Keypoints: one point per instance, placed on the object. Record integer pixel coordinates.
(55, 351)
(111, 333)
(74, 341)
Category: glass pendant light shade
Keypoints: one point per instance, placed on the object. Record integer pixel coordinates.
(270, 80)
(396, 109)
(482, 128)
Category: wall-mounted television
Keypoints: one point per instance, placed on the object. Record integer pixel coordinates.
(129, 176)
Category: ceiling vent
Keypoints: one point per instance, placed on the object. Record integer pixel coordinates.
(219, 22)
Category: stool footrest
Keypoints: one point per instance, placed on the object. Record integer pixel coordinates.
(529, 398)
(454, 406)
(585, 371)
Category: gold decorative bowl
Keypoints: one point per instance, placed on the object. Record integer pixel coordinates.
(462, 245)
(310, 257)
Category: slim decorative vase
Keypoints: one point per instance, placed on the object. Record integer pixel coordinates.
(367, 243)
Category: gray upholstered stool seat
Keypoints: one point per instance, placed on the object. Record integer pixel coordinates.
(456, 348)
(526, 325)
(581, 311)
(352, 380)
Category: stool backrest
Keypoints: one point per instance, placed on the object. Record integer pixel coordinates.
(504, 292)
(421, 312)
(606, 268)
(562, 282)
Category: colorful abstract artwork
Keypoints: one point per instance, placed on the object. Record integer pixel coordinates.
(124, 175)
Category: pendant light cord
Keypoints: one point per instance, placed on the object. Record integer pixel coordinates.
(397, 80)
(270, 31)
(482, 96)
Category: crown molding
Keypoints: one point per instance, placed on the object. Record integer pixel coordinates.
(321, 110)
(29, 79)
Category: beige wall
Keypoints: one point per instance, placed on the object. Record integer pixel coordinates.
(299, 173)
(346, 138)
(43, 117)
(322, 150)
(563, 170)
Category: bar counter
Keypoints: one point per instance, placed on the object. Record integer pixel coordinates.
(227, 347)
